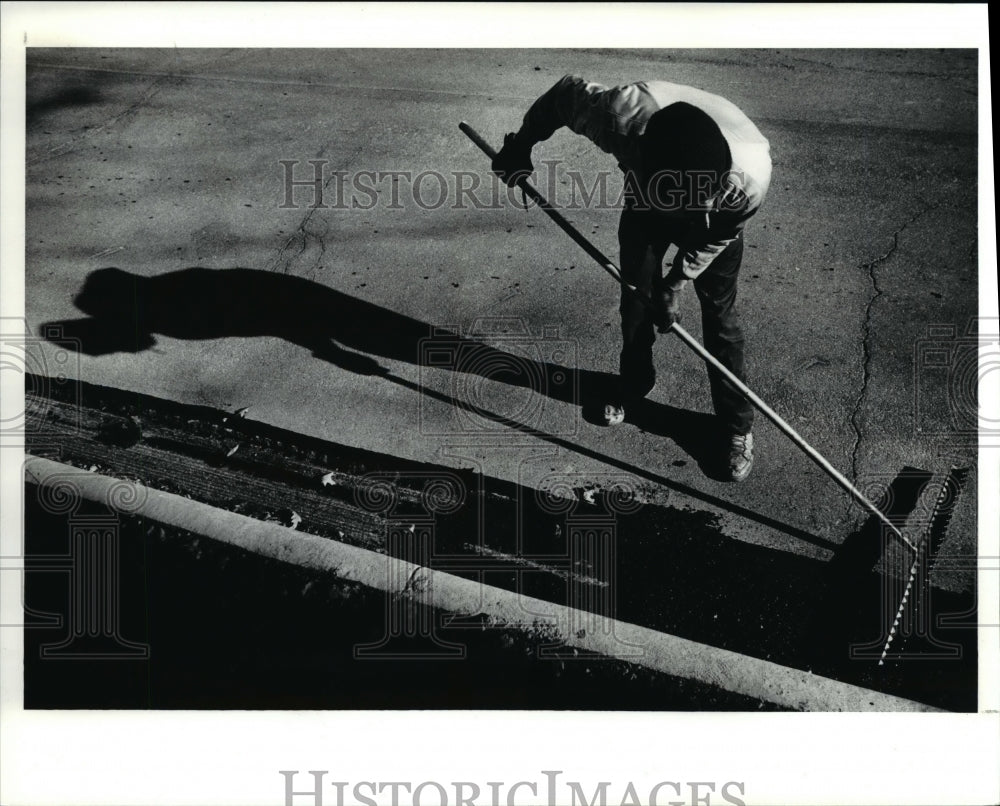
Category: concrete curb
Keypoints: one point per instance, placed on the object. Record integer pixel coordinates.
(587, 632)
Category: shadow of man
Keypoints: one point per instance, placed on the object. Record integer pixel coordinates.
(126, 311)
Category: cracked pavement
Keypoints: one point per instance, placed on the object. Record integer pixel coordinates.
(160, 160)
(877, 292)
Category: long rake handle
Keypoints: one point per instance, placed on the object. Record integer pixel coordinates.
(606, 264)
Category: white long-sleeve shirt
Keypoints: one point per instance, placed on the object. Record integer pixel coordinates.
(614, 119)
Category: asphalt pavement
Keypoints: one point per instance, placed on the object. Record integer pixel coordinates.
(858, 289)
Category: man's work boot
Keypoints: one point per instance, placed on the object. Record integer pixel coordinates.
(614, 413)
(629, 392)
(740, 456)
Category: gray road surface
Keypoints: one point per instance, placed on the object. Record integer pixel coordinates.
(155, 161)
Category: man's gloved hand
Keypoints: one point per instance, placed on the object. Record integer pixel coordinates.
(666, 302)
(513, 161)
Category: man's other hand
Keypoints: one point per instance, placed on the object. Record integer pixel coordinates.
(513, 162)
(667, 308)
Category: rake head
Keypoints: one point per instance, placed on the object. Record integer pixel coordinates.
(918, 577)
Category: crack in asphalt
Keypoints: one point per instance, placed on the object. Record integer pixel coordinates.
(79, 136)
(302, 233)
(305, 237)
(160, 80)
(870, 267)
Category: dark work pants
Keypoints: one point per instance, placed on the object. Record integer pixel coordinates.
(644, 238)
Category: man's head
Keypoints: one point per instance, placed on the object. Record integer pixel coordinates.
(686, 155)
